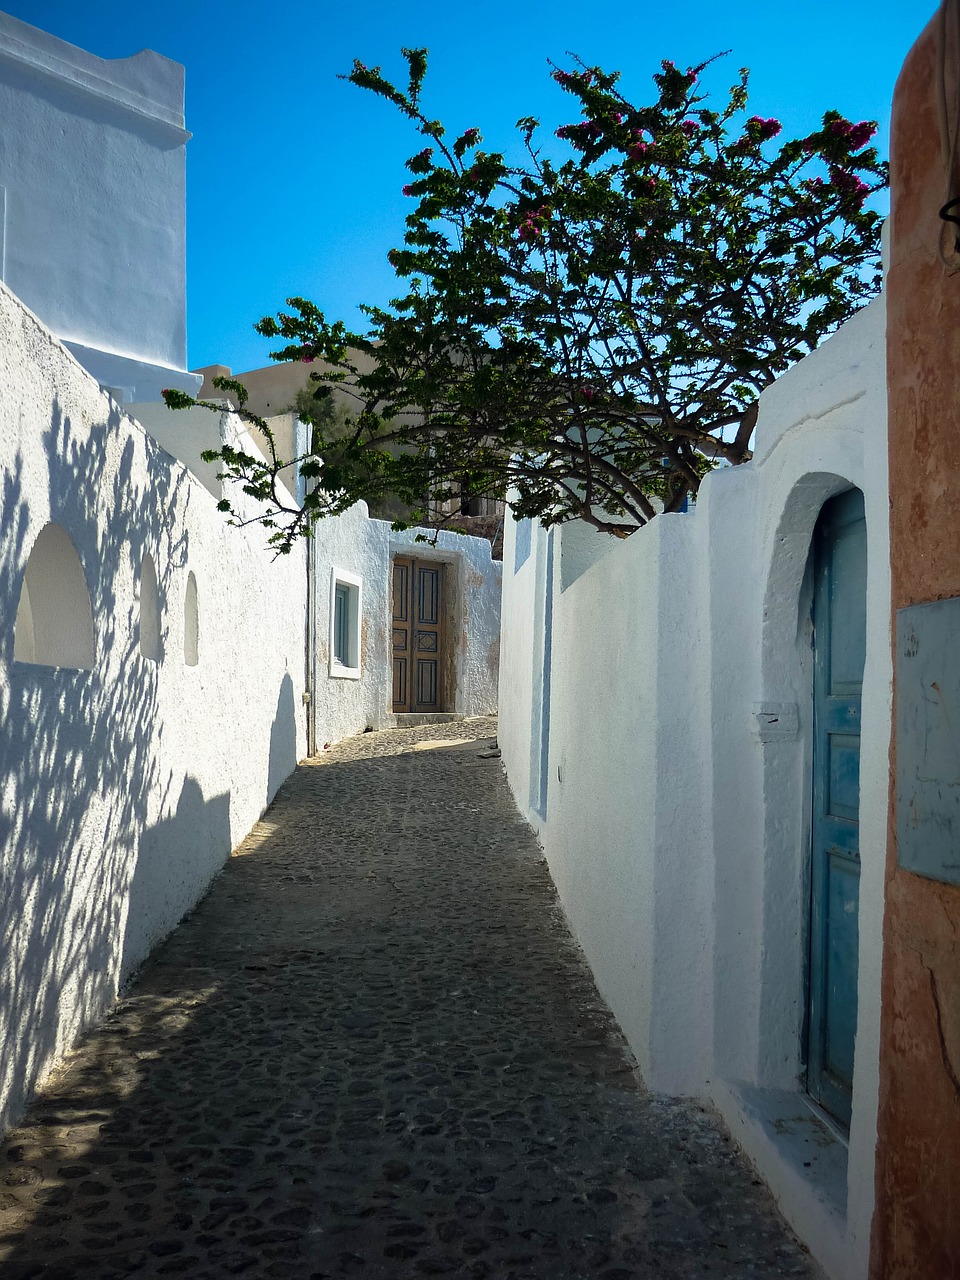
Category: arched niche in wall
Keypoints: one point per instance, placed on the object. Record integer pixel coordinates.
(191, 623)
(149, 610)
(54, 624)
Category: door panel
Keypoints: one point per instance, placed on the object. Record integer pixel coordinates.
(401, 632)
(839, 614)
(417, 635)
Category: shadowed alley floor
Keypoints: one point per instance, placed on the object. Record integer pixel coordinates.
(374, 1051)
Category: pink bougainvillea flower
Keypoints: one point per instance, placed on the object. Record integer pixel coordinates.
(763, 129)
(861, 134)
(847, 182)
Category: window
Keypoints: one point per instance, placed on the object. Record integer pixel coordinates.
(341, 625)
(345, 618)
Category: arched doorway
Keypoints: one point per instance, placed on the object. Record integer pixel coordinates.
(839, 628)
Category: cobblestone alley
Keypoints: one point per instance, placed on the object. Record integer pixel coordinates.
(374, 1051)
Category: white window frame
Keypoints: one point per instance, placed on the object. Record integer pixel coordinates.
(342, 578)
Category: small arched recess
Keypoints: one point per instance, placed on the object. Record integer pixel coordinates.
(191, 623)
(54, 623)
(150, 645)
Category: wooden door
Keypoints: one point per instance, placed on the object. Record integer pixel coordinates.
(417, 635)
(839, 613)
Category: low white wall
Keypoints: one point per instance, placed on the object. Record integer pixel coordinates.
(123, 787)
(675, 829)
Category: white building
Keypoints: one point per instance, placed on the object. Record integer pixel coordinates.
(657, 726)
(92, 205)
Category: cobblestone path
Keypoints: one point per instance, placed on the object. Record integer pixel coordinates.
(374, 1051)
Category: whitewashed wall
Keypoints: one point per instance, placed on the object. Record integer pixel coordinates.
(675, 835)
(366, 548)
(92, 205)
(123, 787)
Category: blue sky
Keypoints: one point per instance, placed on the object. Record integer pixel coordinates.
(294, 176)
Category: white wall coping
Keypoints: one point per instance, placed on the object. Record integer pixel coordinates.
(145, 85)
(824, 380)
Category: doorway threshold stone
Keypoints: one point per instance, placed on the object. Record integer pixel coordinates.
(800, 1155)
(413, 719)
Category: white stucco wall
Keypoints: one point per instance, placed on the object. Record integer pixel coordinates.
(92, 167)
(362, 547)
(366, 548)
(677, 837)
(122, 787)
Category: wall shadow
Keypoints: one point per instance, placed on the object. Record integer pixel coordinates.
(170, 871)
(283, 738)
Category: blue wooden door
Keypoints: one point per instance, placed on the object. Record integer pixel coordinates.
(839, 616)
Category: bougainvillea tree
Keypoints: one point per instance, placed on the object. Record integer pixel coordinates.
(589, 331)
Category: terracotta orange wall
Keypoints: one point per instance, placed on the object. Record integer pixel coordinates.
(917, 1221)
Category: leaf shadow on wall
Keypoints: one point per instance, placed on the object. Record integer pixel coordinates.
(78, 752)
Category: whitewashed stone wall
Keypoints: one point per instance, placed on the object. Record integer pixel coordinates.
(129, 771)
(365, 548)
(122, 787)
(676, 829)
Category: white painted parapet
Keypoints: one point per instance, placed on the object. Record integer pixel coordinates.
(92, 205)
